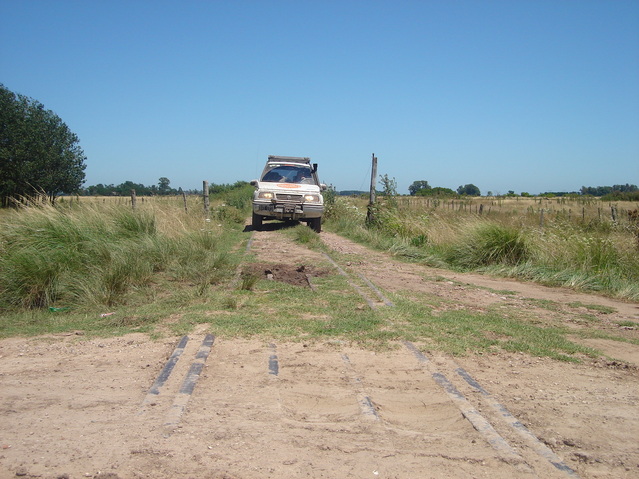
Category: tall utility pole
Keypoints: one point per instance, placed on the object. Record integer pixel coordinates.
(370, 215)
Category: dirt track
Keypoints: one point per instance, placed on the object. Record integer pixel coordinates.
(81, 408)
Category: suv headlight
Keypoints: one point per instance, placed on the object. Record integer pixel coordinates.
(311, 198)
(265, 195)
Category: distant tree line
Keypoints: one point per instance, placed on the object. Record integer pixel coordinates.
(124, 189)
(422, 188)
(607, 190)
(619, 192)
(162, 188)
(625, 192)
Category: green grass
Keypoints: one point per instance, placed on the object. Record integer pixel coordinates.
(107, 270)
(593, 307)
(285, 312)
(488, 244)
(96, 257)
(459, 332)
(595, 255)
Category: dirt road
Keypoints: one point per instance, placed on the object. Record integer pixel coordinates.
(238, 409)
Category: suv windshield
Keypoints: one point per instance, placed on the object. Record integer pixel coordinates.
(288, 174)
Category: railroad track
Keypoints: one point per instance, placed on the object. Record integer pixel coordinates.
(357, 382)
(356, 389)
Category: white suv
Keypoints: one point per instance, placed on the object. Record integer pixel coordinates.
(288, 189)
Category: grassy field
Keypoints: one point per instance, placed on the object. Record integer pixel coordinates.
(98, 254)
(588, 245)
(100, 267)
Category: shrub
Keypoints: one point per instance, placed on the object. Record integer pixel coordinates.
(489, 244)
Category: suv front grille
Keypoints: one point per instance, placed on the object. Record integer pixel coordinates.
(287, 197)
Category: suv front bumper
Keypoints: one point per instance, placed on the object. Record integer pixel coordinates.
(287, 211)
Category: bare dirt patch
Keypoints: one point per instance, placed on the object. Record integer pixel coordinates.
(286, 273)
(76, 407)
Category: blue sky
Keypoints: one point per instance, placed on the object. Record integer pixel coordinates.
(515, 95)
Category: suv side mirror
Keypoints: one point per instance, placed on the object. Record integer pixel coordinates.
(322, 187)
(254, 183)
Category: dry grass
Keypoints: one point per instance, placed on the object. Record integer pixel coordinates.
(582, 243)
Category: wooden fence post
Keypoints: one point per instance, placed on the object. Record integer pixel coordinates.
(133, 199)
(186, 210)
(207, 200)
(370, 214)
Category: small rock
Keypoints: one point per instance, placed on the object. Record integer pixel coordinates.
(583, 457)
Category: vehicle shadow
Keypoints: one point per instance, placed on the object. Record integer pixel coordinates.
(273, 226)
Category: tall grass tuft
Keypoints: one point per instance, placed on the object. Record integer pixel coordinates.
(29, 278)
(98, 254)
(488, 244)
(134, 224)
(307, 236)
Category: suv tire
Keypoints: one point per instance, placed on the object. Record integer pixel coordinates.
(256, 222)
(315, 224)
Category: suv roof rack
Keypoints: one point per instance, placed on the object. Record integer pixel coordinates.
(294, 159)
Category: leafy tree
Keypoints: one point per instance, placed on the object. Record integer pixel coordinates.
(163, 186)
(38, 151)
(417, 186)
(469, 190)
(389, 185)
(437, 191)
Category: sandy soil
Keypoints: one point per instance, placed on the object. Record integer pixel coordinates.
(74, 407)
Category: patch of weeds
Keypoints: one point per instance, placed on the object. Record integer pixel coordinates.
(248, 280)
(627, 324)
(545, 304)
(436, 278)
(488, 244)
(593, 307)
(306, 236)
(420, 240)
(599, 334)
(459, 332)
(505, 292)
(550, 342)
(231, 303)
(181, 328)
(427, 300)
(588, 318)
